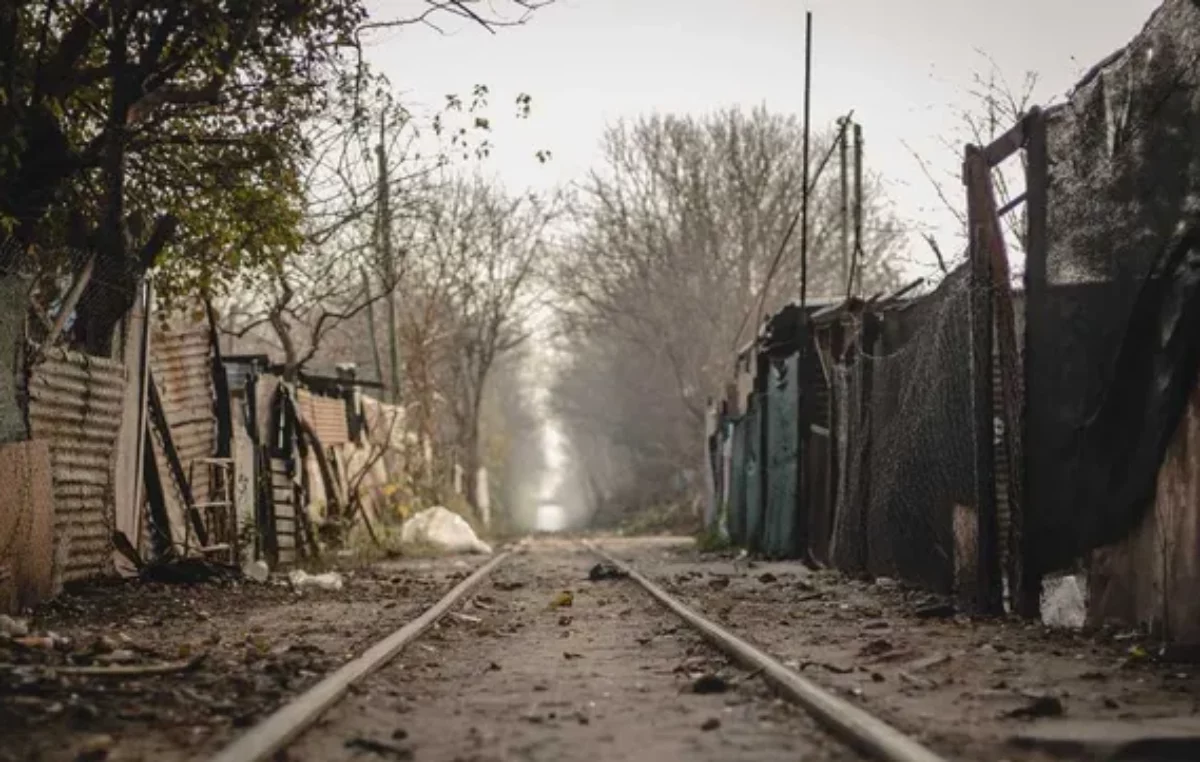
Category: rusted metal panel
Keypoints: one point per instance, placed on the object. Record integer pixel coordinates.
(75, 405)
(326, 416)
(181, 361)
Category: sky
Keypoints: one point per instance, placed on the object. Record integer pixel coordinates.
(904, 66)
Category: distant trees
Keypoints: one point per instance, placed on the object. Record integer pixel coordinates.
(675, 259)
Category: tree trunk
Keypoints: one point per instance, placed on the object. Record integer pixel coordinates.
(473, 457)
(104, 304)
(14, 300)
(375, 357)
(387, 261)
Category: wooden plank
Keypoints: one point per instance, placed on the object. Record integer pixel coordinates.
(1005, 145)
(27, 531)
(1010, 376)
(987, 598)
(158, 416)
(1028, 587)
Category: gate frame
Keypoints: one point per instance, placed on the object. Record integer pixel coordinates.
(991, 297)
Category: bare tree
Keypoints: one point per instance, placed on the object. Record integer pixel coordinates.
(365, 186)
(677, 255)
(993, 105)
(474, 279)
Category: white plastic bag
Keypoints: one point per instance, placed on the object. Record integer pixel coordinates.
(444, 530)
(1064, 601)
(328, 581)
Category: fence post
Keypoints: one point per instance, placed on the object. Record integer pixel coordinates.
(988, 598)
(1027, 595)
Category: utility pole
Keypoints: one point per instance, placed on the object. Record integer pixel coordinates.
(856, 268)
(387, 261)
(804, 187)
(844, 211)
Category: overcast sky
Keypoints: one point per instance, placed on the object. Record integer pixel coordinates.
(904, 66)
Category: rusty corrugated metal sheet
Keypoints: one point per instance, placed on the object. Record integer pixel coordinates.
(181, 361)
(326, 415)
(75, 404)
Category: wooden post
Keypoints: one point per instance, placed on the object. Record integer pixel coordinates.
(1027, 594)
(988, 598)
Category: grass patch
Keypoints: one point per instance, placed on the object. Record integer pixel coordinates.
(712, 541)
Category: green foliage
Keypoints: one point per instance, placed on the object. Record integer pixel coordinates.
(712, 541)
(116, 116)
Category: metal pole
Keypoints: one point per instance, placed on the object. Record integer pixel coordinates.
(844, 166)
(856, 257)
(805, 196)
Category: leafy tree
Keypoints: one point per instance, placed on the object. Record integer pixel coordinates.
(140, 130)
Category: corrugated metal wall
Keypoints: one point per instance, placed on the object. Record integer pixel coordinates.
(181, 362)
(75, 404)
(326, 415)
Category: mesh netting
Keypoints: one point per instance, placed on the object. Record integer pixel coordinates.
(1124, 173)
(905, 420)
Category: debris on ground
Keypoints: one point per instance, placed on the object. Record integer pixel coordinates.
(602, 571)
(189, 571)
(876, 647)
(330, 581)
(916, 682)
(712, 723)
(708, 683)
(444, 530)
(1039, 706)
(383, 749)
(562, 600)
(719, 583)
(767, 578)
(257, 571)
(1167, 739)
(929, 661)
(95, 748)
(12, 627)
(936, 610)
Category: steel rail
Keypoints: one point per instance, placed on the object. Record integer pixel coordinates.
(853, 725)
(274, 733)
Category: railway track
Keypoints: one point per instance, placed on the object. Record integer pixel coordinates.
(527, 658)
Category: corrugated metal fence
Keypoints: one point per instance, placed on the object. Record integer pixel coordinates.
(75, 404)
(181, 362)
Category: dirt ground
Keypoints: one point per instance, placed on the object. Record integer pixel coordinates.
(513, 677)
(966, 688)
(250, 647)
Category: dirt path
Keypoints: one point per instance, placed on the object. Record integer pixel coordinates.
(255, 647)
(511, 677)
(965, 688)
